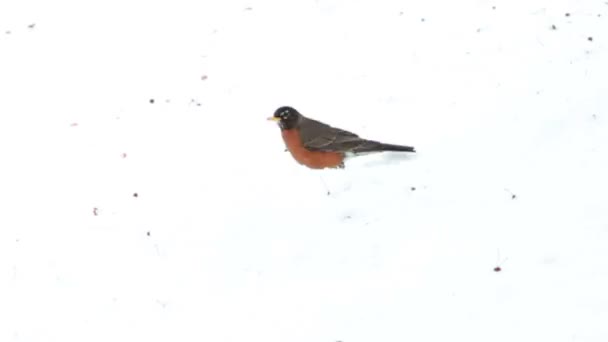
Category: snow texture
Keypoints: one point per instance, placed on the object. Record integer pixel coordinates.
(145, 197)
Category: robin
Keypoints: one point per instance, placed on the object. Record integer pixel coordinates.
(318, 145)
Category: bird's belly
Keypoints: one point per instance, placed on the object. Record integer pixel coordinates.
(312, 159)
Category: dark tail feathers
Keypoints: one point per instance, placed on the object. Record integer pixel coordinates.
(396, 148)
(374, 146)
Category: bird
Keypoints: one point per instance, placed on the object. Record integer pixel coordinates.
(317, 145)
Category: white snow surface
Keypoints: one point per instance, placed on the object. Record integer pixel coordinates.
(185, 220)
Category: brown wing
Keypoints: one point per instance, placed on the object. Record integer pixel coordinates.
(318, 136)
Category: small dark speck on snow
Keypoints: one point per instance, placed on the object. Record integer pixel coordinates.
(513, 196)
(498, 266)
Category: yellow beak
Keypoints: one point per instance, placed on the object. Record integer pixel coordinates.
(274, 118)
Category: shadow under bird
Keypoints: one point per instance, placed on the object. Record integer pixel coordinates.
(317, 145)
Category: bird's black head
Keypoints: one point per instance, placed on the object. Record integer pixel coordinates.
(286, 117)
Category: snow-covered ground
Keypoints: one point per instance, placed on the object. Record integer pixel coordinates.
(145, 197)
